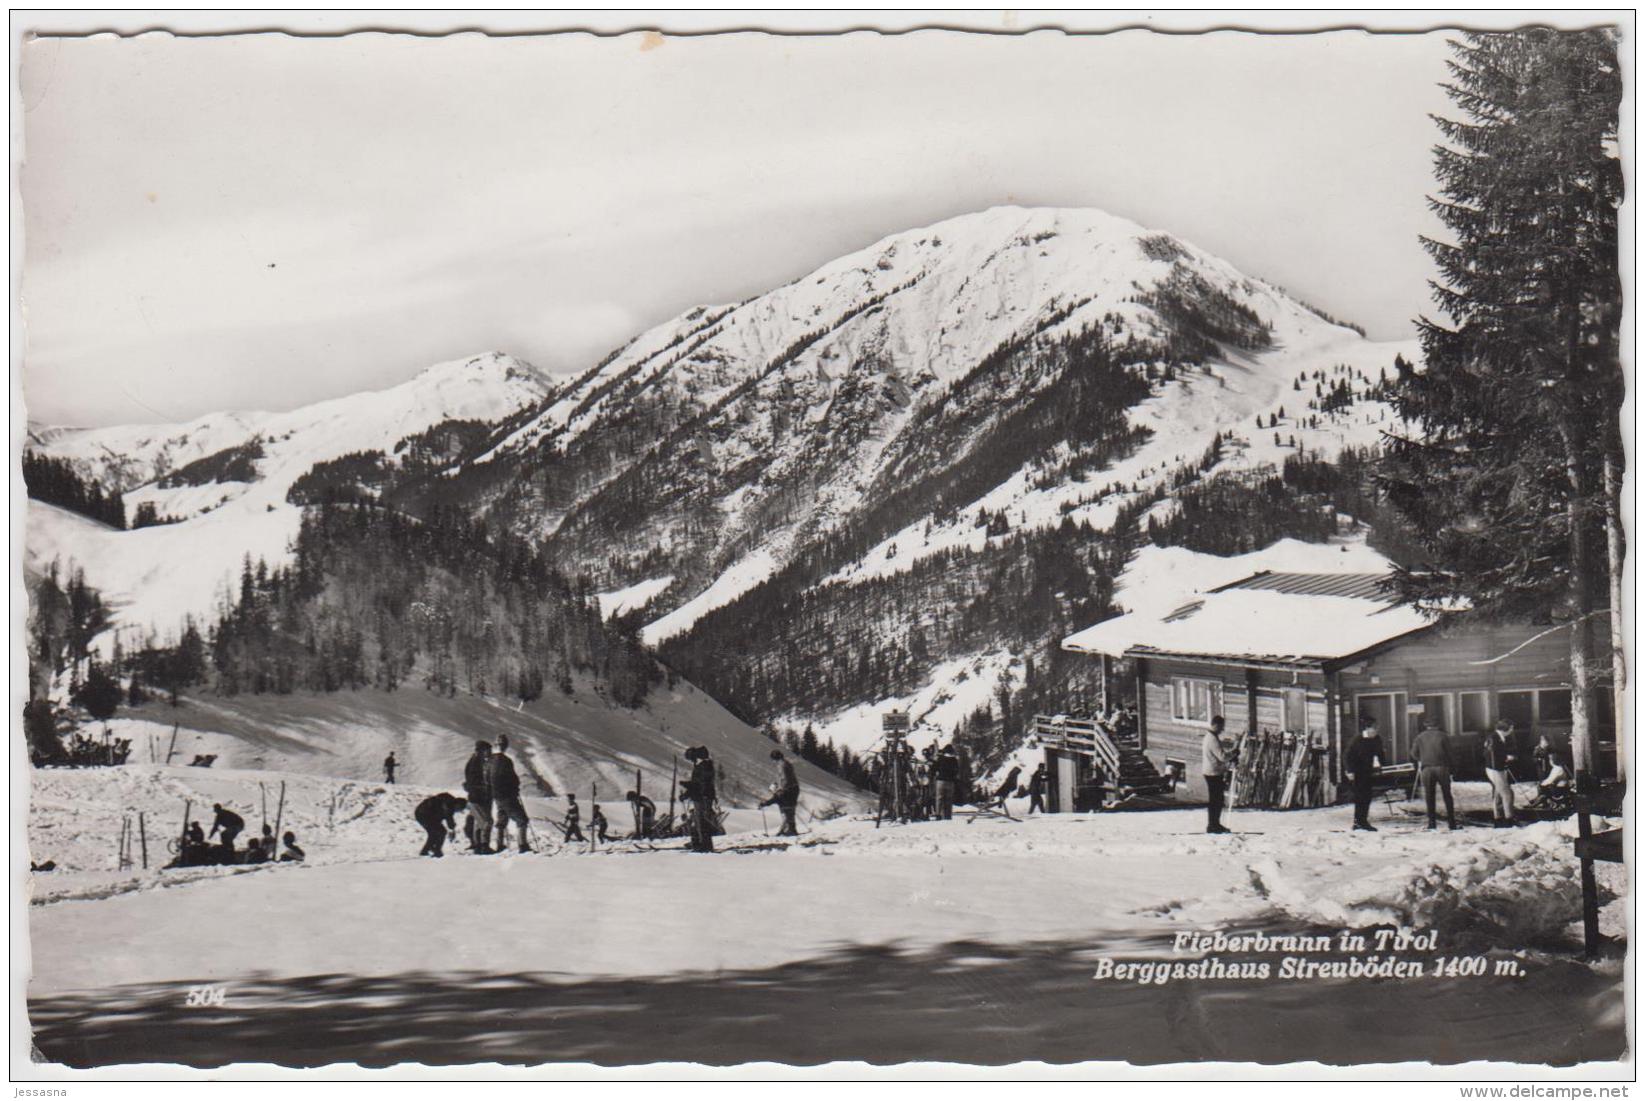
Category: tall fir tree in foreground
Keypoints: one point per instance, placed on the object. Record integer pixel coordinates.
(1510, 477)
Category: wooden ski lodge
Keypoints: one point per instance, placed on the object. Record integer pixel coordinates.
(1308, 654)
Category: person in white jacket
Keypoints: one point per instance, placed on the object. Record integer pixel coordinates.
(1214, 766)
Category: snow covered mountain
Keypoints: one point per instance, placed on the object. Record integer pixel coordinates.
(218, 486)
(889, 392)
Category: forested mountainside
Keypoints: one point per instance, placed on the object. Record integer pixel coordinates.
(373, 598)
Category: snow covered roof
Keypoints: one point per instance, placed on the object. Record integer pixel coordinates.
(1307, 618)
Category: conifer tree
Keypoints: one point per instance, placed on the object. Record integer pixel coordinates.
(1517, 407)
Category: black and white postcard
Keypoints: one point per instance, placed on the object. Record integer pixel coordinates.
(1105, 548)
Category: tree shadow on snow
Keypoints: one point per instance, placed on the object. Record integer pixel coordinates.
(961, 1002)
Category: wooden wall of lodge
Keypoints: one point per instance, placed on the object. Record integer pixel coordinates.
(1427, 664)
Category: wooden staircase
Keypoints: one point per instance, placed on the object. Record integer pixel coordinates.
(1125, 768)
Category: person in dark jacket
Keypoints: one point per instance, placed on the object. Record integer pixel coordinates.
(645, 815)
(230, 824)
(389, 765)
(573, 820)
(195, 848)
(945, 777)
(1432, 752)
(1499, 763)
(293, 854)
(477, 786)
(438, 815)
(699, 789)
(1008, 786)
(505, 791)
(598, 826)
(963, 782)
(785, 794)
(1360, 762)
(1036, 790)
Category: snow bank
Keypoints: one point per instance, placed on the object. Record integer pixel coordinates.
(1502, 887)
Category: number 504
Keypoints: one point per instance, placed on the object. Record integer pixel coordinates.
(206, 995)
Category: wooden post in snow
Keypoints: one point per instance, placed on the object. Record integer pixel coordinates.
(673, 786)
(593, 805)
(143, 837)
(173, 747)
(278, 815)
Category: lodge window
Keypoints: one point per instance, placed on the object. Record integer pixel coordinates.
(1518, 708)
(1436, 709)
(1476, 711)
(1194, 700)
(1553, 705)
(1530, 708)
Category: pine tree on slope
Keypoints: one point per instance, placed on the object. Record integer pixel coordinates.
(1518, 404)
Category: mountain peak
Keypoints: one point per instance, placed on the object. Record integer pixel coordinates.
(487, 367)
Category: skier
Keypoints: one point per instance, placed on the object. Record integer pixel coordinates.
(699, 789)
(645, 814)
(1213, 759)
(1360, 762)
(1036, 791)
(945, 774)
(231, 824)
(963, 782)
(389, 765)
(293, 854)
(1008, 786)
(598, 825)
(1499, 763)
(1432, 753)
(785, 794)
(438, 815)
(573, 820)
(477, 786)
(505, 789)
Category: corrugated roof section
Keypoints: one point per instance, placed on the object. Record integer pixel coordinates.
(1358, 586)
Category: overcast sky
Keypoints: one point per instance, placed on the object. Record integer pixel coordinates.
(263, 221)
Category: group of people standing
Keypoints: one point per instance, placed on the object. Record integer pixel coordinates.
(1434, 757)
(491, 804)
(491, 789)
(928, 784)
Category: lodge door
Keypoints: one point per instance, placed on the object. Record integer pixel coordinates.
(1063, 777)
(1387, 709)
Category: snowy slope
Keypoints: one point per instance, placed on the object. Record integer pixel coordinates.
(1093, 880)
(156, 575)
